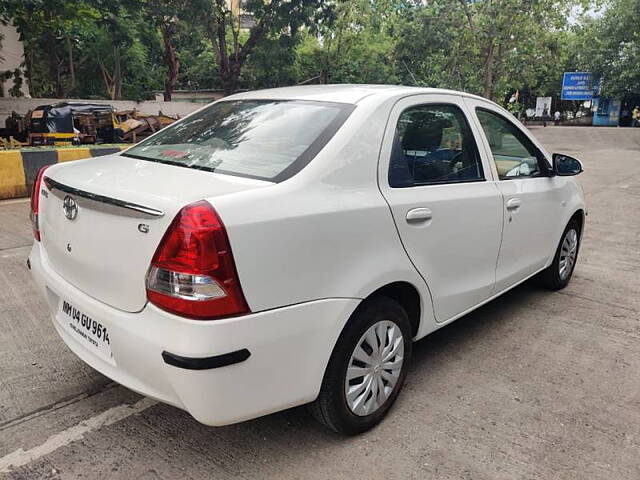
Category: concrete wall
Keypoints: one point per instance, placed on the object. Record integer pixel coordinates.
(195, 96)
(22, 105)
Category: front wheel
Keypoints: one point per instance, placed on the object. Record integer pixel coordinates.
(557, 275)
(367, 368)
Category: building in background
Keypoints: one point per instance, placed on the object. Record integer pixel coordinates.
(606, 112)
(13, 81)
(194, 96)
(245, 19)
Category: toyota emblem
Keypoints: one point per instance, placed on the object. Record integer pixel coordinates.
(70, 208)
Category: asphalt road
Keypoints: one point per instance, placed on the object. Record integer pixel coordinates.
(534, 385)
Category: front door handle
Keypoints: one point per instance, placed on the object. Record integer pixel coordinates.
(513, 204)
(418, 215)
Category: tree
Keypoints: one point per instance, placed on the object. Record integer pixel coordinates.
(167, 16)
(610, 47)
(128, 48)
(46, 27)
(353, 47)
(232, 44)
(487, 47)
(109, 45)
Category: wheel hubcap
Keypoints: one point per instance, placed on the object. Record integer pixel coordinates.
(374, 368)
(568, 253)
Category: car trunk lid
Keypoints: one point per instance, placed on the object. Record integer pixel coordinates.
(101, 220)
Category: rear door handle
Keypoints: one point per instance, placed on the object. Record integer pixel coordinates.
(513, 204)
(418, 215)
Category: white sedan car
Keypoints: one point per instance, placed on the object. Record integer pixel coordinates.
(287, 246)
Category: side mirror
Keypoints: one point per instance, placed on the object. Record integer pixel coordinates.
(566, 166)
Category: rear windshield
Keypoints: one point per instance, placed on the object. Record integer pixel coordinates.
(264, 139)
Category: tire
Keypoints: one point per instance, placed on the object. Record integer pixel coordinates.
(332, 407)
(554, 277)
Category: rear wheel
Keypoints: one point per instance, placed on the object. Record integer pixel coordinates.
(367, 368)
(557, 275)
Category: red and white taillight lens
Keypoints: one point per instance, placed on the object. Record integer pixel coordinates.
(193, 273)
(35, 203)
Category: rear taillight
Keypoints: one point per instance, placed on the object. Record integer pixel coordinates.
(193, 273)
(35, 203)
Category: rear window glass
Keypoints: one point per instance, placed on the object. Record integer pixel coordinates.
(264, 139)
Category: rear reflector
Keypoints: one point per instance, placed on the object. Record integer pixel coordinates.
(35, 203)
(193, 273)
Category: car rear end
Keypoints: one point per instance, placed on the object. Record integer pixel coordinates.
(137, 266)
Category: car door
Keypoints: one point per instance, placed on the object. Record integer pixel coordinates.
(448, 216)
(533, 199)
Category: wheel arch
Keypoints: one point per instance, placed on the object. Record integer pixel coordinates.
(579, 216)
(407, 295)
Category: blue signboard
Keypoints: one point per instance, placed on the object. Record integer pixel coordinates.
(577, 86)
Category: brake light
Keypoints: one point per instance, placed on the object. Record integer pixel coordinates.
(35, 203)
(193, 273)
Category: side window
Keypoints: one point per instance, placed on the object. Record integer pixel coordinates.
(433, 144)
(514, 154)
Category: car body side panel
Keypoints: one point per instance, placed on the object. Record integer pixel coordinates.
(325, 233)
(459, 267)
(530, 234)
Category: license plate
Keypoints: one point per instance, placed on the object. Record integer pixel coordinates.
(91, 333)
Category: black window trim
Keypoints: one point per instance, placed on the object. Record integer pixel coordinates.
(541, 157)
(447, 182)
(345, 110)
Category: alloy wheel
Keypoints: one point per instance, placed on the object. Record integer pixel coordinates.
(568, 253)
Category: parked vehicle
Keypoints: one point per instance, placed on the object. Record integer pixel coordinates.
(287, 246)
(71, 122)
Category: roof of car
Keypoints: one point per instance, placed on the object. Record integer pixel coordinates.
(343, 93)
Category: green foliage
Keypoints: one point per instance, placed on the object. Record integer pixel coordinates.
(131, 48)
(611, 47)
(272, 64)
(491, 47)
(354, 48)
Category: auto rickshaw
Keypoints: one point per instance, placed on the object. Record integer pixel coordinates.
(70, 123)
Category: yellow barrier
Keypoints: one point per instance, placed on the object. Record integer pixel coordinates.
(12, 177)
(18, 168)
(73, 154)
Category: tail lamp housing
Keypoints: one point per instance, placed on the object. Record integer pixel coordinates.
(35, 202)
(193, 273)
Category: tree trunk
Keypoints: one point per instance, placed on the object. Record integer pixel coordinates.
(487, 91)
(173, 64)
(54, 67)
(230, 78)
(230, 65)
(117, 74)
(72, 69)
(107, 79)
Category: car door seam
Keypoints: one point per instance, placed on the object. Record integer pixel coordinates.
(395, 224)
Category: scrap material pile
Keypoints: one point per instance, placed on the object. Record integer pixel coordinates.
(135, 125)
(78, 123)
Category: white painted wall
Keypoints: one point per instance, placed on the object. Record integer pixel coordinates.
(23, 105)
(12, 56)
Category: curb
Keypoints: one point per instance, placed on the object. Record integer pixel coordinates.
(18, 168)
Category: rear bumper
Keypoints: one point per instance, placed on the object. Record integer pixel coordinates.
(201, 372)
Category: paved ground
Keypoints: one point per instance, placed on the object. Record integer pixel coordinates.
(535, 385)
